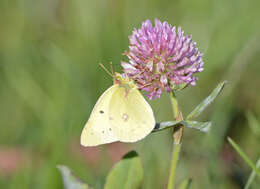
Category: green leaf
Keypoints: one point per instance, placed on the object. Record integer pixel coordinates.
(165, 125)
(127, 174)
(204, 104)
(244, 156)
(185, 184)
(252, 175)
(253, 123)
(201, 126)
(70, 181)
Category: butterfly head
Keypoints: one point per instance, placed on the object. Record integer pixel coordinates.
(124, 81)
(120, 79)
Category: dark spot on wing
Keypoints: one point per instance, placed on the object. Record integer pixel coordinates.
(110, 118)
(101, 111)
(103, 132)
(110, 129)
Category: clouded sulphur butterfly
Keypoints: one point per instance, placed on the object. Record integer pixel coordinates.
(120, 114)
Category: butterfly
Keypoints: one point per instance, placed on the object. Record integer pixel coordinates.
(120, 114)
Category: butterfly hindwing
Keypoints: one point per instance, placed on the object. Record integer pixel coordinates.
(130, 116)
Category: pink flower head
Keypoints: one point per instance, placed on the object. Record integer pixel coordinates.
(161, 58)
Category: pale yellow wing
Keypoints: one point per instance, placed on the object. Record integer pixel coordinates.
(98, 128)
(130, 115)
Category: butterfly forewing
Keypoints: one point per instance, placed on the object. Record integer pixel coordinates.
(130, 115)
(98, 128)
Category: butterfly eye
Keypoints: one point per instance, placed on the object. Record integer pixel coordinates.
(101, 111)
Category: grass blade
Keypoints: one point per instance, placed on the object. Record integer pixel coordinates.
(252, 175)
(244, 156)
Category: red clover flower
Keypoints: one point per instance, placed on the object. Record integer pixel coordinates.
(161, 58)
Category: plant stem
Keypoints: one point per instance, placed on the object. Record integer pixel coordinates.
(175, 105)
(177, 136)
(175, 157)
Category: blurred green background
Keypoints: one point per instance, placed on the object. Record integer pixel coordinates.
(50, 80)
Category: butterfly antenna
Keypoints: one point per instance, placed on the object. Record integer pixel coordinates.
(146, 85)
(111, 68)
(106, 70)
